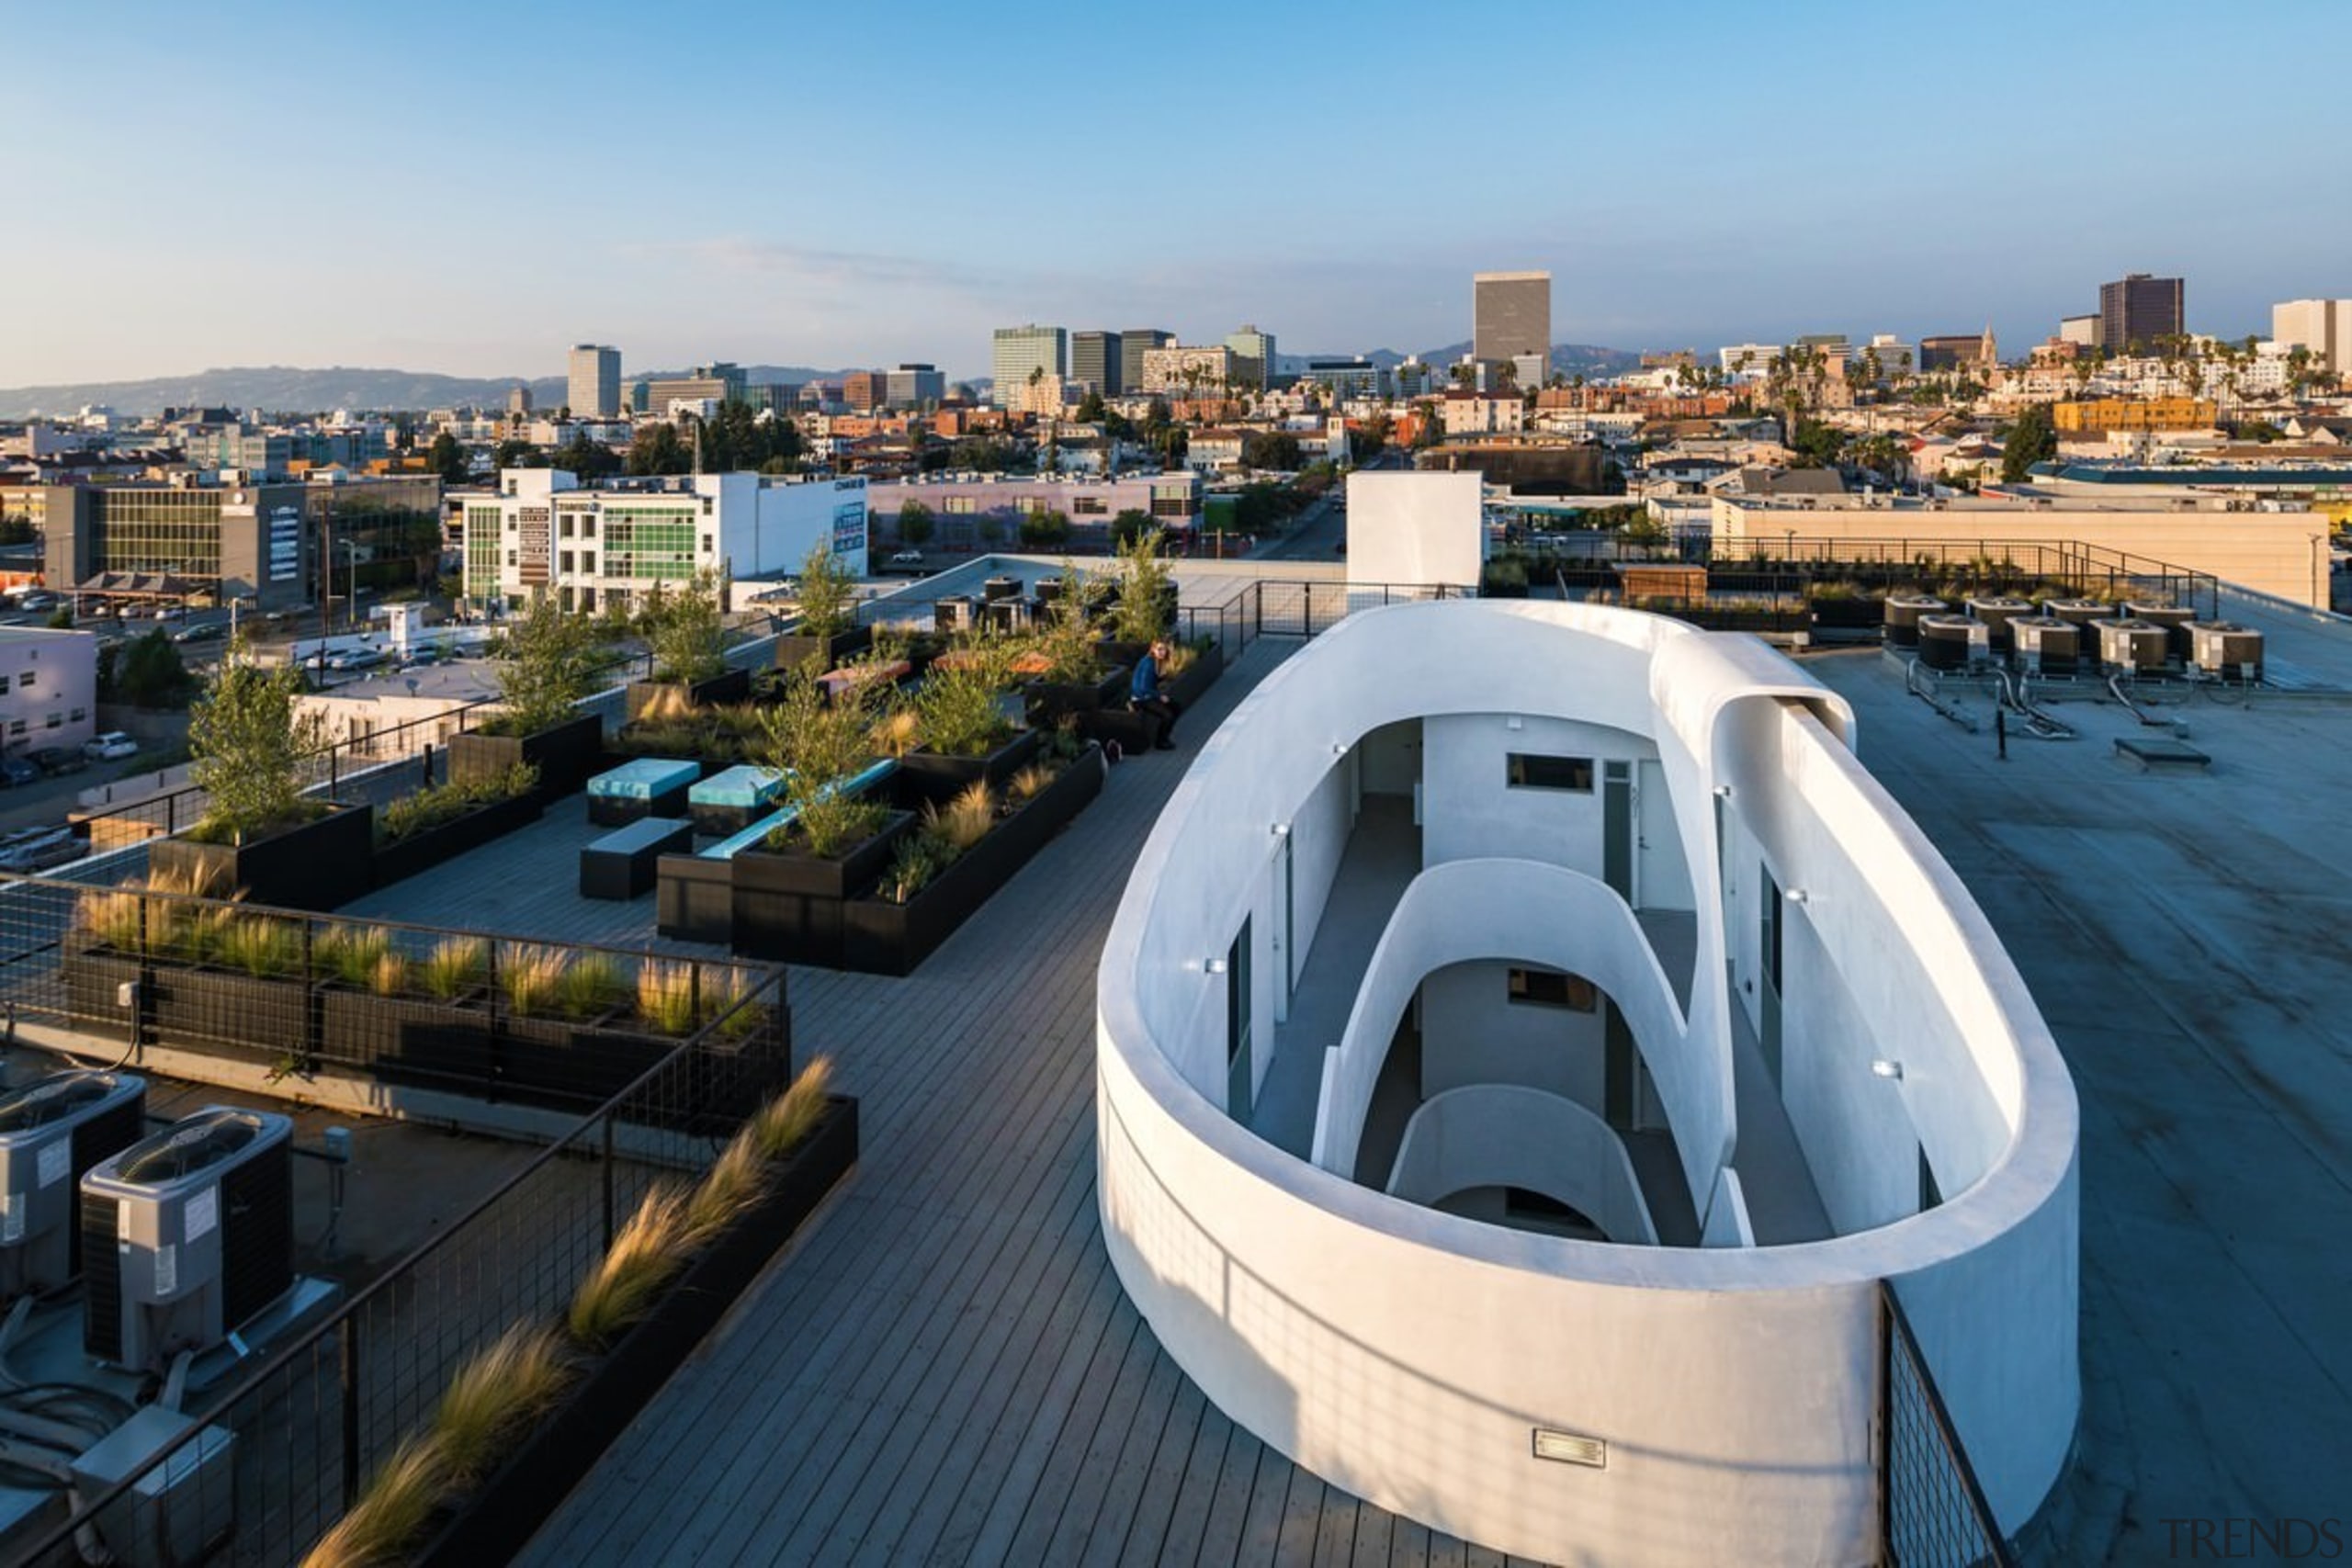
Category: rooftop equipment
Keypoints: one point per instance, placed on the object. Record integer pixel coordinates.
(1953, 642)
(52, 1132)
(1903, 615)
(2225, 648)
(1996, 612)
(2133, 645)
(186, 1234)
(2044, 645)
(2166, 614)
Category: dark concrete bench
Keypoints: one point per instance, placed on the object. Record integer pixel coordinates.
(623, 864)
(2152, 754)
(649, 786)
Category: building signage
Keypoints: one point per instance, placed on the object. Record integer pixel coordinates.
(849, 528)
(284, 543)
(537, 533)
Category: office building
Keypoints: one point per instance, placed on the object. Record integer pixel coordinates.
(866, 391)
(1172, 500)
(916, 386)
(699, 390)
(519, 400)
(542, 531)
(593, 387)
(1748, 360)
(2138, 311)
(1020, 352)
(1450, 1213)
(1095, 360)
(262, 542)
(1134, 344)
(2083, 330)
(1188, 371)
(2322, 326)
(1346, 378)
(1511, 315)
(1253, 357)
(1952, 351)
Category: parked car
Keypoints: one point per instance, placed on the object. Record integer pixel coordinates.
(111, 746)
(57, 760)
(38, 602)
(49, 847)
(356, 659)
(16, 770)
(204, 632)
(905, 559)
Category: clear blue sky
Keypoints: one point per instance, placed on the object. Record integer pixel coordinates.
(470, 187)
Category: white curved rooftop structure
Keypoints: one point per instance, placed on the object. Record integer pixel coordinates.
(1527, 1043)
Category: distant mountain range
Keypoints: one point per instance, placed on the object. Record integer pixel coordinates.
(285, 388)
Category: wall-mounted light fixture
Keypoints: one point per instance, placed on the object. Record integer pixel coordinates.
(1216, 965)
(1722, 792)
(1797, 895)
(1886, 1068)
(1282, 829)
(1339, 747)
(1514, 722)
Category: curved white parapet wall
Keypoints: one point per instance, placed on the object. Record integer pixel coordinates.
(1409, 1356)
(1493, 1134)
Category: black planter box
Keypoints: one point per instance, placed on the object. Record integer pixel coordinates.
(734, 686)
(882, 938)
(1115, 651)
(508, 1508)
(624, 863)
(1049, 700)
(92, 980)
(319, 865)
(935, 778)
(227, 1012)
(1856, 613)
(566, 756)
(1188, 688)
(787, 907)
(562, 1064)
(794, 650)
(422, 852)
(694, 898)
(421, 1042)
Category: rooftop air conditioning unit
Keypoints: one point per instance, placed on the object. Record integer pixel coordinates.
(52, 1132)
(186, 1234)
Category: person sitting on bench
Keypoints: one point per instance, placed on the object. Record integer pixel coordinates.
(1144, 695)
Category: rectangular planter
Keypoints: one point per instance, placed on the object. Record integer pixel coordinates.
(1049, 700)
(420, 1042)
(882, 938)
(319, 865)
(695, 899)
(734, 686)
(225, 1012)
(1188, 688)
(561, 1064)
(787, 908)
(92, 980)
(508, 1508)
(422, 852)
(565, 755)
(794, 650)
(936, 778)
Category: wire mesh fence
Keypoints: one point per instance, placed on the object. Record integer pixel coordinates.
(1934, 1513)
(277, 1454)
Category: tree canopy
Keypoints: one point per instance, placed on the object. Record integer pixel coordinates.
(446, 456)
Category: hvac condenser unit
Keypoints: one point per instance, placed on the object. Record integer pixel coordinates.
(186, 1234)
(52, 1132)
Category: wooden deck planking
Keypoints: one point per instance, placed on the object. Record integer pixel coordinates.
(944, 1368)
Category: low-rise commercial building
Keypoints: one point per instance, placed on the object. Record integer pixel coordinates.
(1171, 500)
(2102, 415)
(49, 687)
(542, 531)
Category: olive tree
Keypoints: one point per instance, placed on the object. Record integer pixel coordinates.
(247, 737)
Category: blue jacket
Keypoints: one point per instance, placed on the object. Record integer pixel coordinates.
(1145, 687)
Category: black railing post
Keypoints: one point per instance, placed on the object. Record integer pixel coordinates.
(608, 1177)
(349, 1359)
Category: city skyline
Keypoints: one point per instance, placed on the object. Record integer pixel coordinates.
(425, 225)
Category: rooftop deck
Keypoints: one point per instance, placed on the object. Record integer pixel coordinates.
(945, 1369)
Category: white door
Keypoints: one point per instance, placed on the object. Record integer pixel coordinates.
(1661, 874)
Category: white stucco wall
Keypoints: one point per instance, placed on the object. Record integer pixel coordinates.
(1468, 813)
(1506, 1136)
(1471, 1032)
(1415, 528)
(1737, 1394)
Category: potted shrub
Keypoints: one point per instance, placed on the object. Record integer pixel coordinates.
(259, 833)
(549, 662)
(1073, 676)
(687, 633)
(828, 631)
(788, 889)
(1145, 609)
(959, 717)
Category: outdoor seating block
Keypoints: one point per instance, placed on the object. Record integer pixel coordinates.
(622, 865)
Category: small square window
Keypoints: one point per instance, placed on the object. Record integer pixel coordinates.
(54, 721)
(24, 680)
(79, 715)
(15, 727)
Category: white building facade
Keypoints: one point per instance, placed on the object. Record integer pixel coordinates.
(591, 548)
(49, 688)
(1666, 1041)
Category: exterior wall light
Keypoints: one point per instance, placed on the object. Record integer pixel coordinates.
(1339, 747)
(1722, 792)
(1282, 829)
(1217, 966)
(1797, 895)
(1885, 1068)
